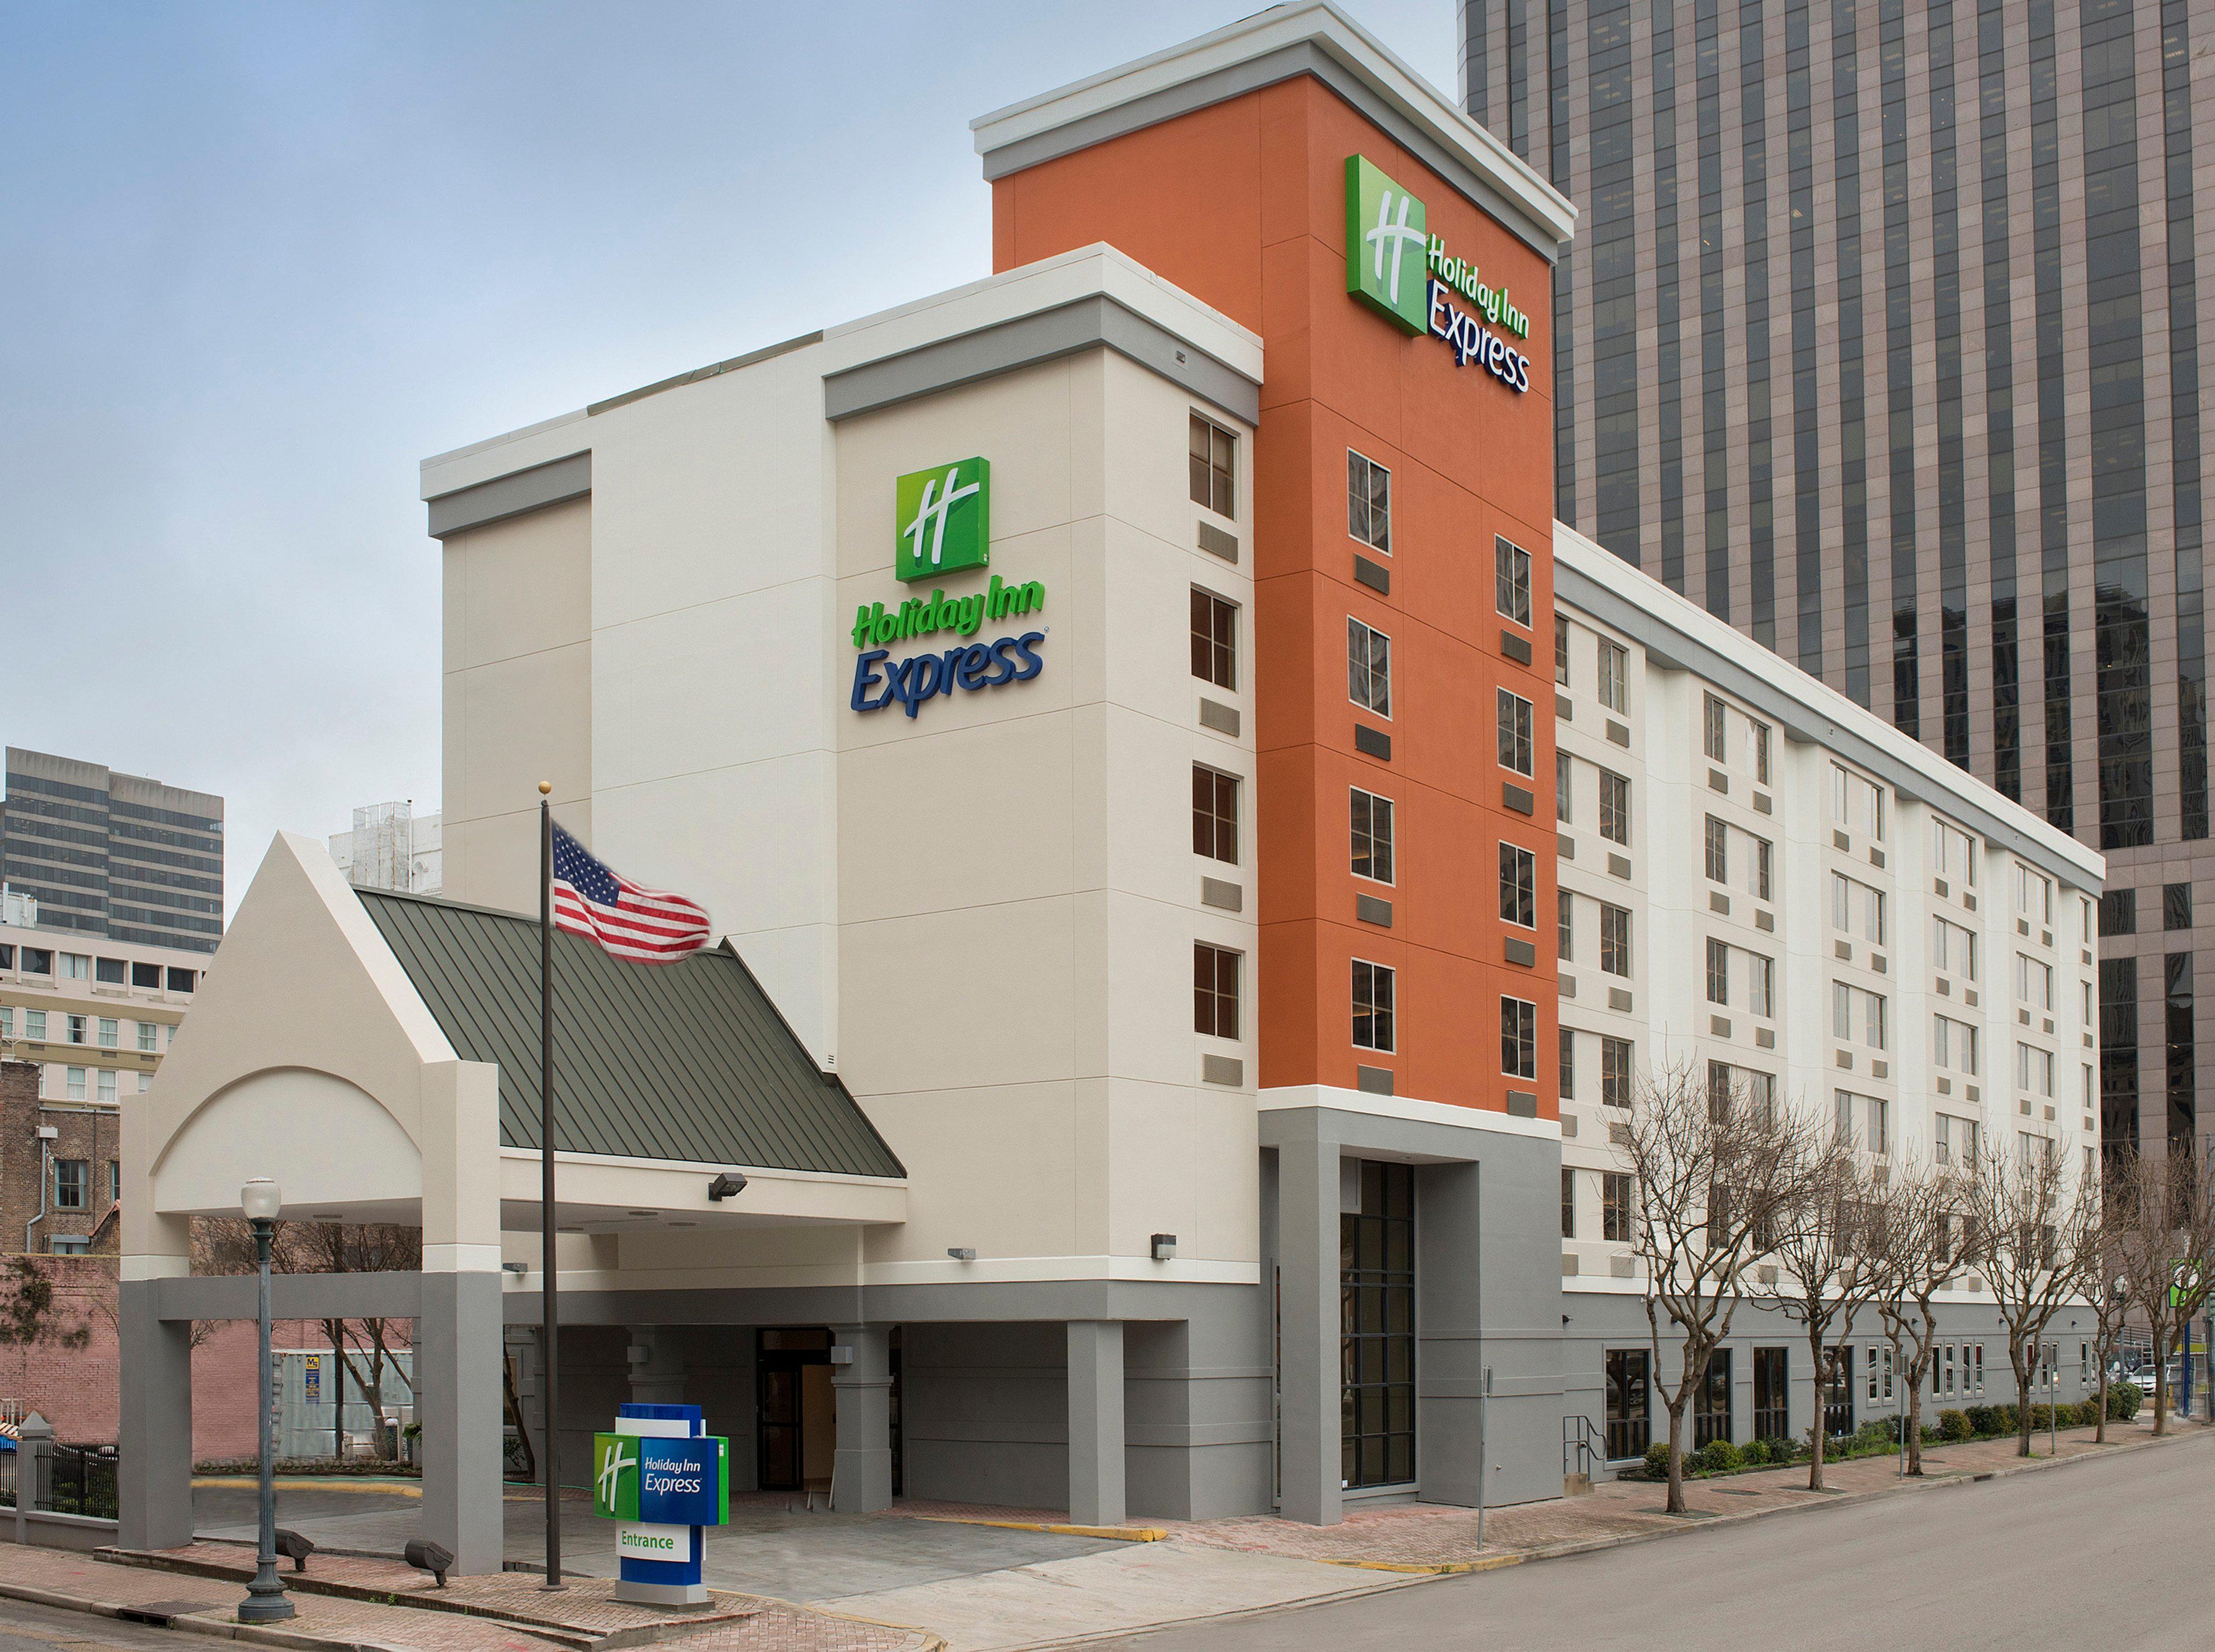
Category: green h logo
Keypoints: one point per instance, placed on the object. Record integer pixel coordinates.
(1387, 247)
(943, 518)
(615, 1476)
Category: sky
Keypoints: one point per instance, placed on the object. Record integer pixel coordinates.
(258, 261)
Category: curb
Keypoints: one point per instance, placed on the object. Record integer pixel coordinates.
(189, 1622)
(1106, 1533)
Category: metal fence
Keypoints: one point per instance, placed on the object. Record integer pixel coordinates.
(82, 1481)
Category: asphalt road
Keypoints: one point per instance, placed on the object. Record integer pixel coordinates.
(2102, 1554)
(25, 1628)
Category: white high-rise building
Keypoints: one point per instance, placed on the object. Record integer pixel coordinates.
(391, 846)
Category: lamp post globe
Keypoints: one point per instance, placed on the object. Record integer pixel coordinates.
(260, 1200)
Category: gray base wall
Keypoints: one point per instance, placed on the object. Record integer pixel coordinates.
(1600, 1322)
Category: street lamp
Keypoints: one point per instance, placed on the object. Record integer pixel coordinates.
(265, 1601)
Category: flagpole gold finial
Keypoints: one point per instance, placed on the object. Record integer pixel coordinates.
(545, 787)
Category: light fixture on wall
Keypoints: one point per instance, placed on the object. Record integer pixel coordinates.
(1164, 1246)
(962, 1252)
(730, 1184)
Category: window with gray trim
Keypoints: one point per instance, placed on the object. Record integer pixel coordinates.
(1510, 566)
(1368, 668)
(1372, 1006)
(1614, 808)
(1518, 886)
(1371, 818)
(1516, 750)
(1614, 939)
(1214, 462)
(1214, 814)
(1214, 990)
(1518, 1038)
(1369, 501)
(1615, 1080)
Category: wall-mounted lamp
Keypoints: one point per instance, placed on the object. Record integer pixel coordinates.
(518, 1268)
(727, 1185)
(1164, 1246)
(962, 1252)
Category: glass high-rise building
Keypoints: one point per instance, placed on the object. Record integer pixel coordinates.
(114, 854)
(1880, 339)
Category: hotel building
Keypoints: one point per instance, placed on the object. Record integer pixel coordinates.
(1105, 707)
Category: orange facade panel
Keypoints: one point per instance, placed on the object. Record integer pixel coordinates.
(1243, 204)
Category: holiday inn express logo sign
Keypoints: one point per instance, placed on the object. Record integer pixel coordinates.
(1396, 266)
(944, 517)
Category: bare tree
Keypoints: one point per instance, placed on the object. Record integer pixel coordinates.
(1818, 1279)
(358, 1248)
(32, 1316)
(1711, 1162)
(2033, 1230)
(2160, 1220)
(1908, 1252)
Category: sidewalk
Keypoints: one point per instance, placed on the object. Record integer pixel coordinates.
(329, 1624)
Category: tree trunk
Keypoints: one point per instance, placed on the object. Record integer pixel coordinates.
(1914, 1424)
(2022, 1411)
(1676, 1454)
(2160, 1382)
(2100, 1432)
(1816, 1435)
(515, 1410)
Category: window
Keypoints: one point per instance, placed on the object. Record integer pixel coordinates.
(1215, 815)
(1569, 1065)
(1856, 804)
(70, 1189)
(7, 1021)
(1954, 1044)
(1376, 1329)
(1519, 887)
(1761, 985)
(146, 1038)
(1562, 788)
(1615, 1207)
(2177, 906)
(2034, 895)
(1858, 1016)
(1368, 668)
(1372, 1006)
(1711, 724)
(1214, 990)
(1718, 972)
(1372, 837)
(1614, 939)
(34, 1026)
(180, 981)
(1953, 949)
(1711, 1415)
(76, 1028)
(2034, 1070)
(1214, 454)
(2118, 908)
(1943, 1126)
(68, 1245)
(1566, 905)
(115, 1179)
(110, 971)
(1863, 1121)
(38, 961)
(147, 975)
(1614, 1072)
(1757, 750)
(1762, 860)
(1214, 640)
(1614, 808)
(1518, 1038)
(1629, 1425)
(1515, 747)
(2033, 983)
(74, 1081)
(76, 966)
(104, 1091)
(1718, 851)
(1614, 673)
(1568, 1203)
(7, 957)
(1953, 854)
(1511, 580)
(1369, 501)
(1772, 1392)
(107, 1031)
(1561, 650)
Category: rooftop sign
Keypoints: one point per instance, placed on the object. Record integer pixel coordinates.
(1396, 267)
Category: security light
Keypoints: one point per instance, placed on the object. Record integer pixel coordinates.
(295, 1547)
(962, 1252)
(427, 1556)
(728, 1184)
(1164, 1246)
(260, 1200)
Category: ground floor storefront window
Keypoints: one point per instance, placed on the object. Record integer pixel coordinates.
(1629, 1401)
(1712, 1421)
(1772, 1402)
(1377, 1329)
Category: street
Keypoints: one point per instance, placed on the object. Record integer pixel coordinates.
(2081, 1556)
(25, 1628)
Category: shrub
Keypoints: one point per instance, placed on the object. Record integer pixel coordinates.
(1954, 1425)
(2004, 1419)
(1720, 1457)
(1755, 1455)
(1781, 1449)
(1657, 1461)
(2123, 1401)
(2080, 1415)
(1983, 1424)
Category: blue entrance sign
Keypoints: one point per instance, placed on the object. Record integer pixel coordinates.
(662, 1478)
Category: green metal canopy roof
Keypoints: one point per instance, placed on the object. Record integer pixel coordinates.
(688, 1060)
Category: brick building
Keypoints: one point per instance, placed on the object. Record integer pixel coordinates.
(59, 1162)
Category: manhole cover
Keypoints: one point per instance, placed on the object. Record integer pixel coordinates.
(1732, 1491)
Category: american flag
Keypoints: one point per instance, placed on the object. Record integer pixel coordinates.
(645, 926)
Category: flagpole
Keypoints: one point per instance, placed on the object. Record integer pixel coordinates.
(549, 1307)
